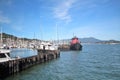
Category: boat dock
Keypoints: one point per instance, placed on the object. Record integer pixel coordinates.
(17, 65)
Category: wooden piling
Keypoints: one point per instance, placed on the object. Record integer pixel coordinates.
(13, 66)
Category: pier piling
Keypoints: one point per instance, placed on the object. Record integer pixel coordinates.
(13, 66)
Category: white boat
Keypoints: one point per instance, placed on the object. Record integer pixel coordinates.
(4, 55)
(48, 46)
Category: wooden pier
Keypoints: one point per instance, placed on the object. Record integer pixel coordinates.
(14, 66)
(64, 47)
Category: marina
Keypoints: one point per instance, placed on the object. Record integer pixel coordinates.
(27, 54)
(60, 40)
(94, 62)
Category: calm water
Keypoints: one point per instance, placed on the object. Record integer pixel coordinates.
(94, 62)
(23, 52)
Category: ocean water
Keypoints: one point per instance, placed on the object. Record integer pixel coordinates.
(94, 62)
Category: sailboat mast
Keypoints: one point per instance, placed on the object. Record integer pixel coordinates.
(57, 34)
(1, 41)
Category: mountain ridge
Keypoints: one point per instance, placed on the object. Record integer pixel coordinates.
(82, 40)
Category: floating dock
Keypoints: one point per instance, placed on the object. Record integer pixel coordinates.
(14, 66)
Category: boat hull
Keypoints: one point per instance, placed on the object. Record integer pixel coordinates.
(76, 46)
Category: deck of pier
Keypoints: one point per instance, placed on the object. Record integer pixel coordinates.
(14, 66)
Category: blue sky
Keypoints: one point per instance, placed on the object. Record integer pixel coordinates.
(45, 19)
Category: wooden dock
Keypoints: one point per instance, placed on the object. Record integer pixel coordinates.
(14, 66)
(64, 47)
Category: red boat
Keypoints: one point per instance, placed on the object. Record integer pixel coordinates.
(75, 44)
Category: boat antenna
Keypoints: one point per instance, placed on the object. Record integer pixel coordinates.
(73, 34)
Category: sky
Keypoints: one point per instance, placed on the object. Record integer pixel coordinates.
(61, 19)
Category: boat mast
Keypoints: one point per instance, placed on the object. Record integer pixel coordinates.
(57, 34)
(34, 39)
(1, 40)
(41, 34)
(73, 35)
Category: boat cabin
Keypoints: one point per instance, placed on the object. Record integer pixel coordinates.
(75, 40)
(4, 55)
(48, 46)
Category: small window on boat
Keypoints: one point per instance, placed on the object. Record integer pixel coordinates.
(8, 54)
(2, 55)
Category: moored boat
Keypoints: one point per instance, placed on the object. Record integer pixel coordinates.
(75, 44)
(4, 55)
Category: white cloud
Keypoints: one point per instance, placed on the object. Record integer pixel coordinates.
(62, 10)
(17, 28)
(4, 19)
(89, 5)
(9, 2)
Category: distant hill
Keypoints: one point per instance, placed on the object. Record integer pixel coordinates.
(83, 40)
(5, 35)
(109, 42)
(92, 40)
(89, 40)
